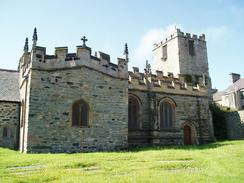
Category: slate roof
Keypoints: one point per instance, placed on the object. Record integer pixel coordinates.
(217, 96)
(236, 86)
(9, 85)
(239, 84)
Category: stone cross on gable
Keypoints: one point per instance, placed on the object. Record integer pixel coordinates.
(84, 41)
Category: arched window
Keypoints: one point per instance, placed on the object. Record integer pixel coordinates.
(80, 114)
(133, 112)
(167, 113)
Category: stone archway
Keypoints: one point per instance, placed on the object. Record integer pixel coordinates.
(189, 134)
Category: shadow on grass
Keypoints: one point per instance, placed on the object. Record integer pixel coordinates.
(212, 145)
(181, 147)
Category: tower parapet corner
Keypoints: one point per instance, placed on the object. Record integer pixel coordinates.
(83, 52)
(179, 32)
(188, 35)
(39, 54)
(122, 68)
(202, 37)
(194, 36)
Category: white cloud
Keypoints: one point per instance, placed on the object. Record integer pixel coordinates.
(143, 51)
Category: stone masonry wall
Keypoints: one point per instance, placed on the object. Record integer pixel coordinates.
(191, 110)
(235, 124)
(197, 64)
(9, 123)
(52, 94)
(171, 64)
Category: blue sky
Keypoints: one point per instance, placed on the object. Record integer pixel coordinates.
(108, 24)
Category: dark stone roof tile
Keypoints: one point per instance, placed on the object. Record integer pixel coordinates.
(9, 85)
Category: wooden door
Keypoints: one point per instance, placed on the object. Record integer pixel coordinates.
(187, 135)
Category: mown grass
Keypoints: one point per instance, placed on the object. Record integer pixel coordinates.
(216, 162)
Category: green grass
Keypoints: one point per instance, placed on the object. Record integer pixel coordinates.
(216, 162)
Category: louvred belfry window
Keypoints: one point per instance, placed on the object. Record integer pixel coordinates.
(191, 47)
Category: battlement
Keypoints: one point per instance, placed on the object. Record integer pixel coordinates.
(178, 33)
(62, 59)
(166, 83)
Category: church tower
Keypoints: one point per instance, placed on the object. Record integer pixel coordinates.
(183, 54)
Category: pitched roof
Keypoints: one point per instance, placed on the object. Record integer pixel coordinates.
(217, 96)
(238, 85)
(9, 85)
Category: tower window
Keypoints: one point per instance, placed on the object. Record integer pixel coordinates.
(80, 114)
(165, 52)
(191, 47)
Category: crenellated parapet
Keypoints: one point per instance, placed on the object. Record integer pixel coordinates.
(37, 58)
(178, 33)
(83, 57)
(166, 83)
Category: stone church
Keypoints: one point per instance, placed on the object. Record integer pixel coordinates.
(74, 102)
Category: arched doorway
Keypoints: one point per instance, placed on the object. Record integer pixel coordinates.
(187, 135)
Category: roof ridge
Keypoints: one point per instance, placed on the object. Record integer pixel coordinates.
(9, 70)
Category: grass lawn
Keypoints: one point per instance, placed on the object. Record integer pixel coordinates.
(216, 162)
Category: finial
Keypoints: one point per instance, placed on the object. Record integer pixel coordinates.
(26, 47)
(126, 49)
(84, 41)
(34, 37)
(148, 70)
(126, 52)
